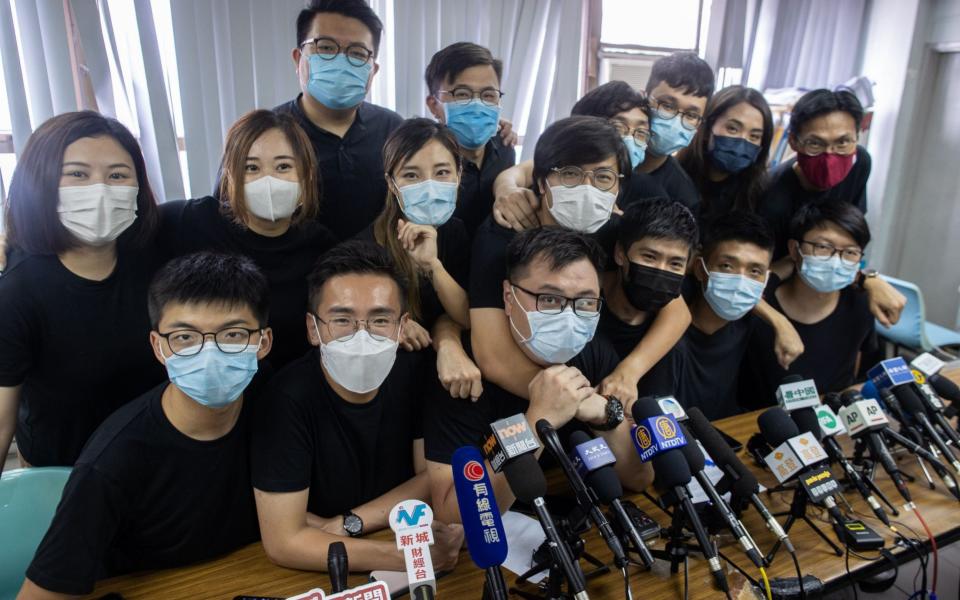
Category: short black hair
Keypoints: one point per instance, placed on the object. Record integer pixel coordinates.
(684, 71)
(737, 226)
(355, 9)
(354, 256)
(455, 59)
(659, 219)
(209, 277)
(560, 247)
(821, 102)
(844, 215)
(579, 140)
(609, 100)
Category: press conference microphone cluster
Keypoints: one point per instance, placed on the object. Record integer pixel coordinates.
(657, 438)
(510, 449)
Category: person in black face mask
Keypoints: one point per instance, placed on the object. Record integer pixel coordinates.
(654, 244)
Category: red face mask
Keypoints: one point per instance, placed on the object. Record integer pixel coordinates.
(825, 170)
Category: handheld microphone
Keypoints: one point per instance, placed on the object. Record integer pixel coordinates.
(807, 420)
(337, 566)
(411, 520)
(593, 459)
(795, 393)
(697, 462)
(509, 438)
(742, 482)
(529, 485)
(585, 499)
(482, 525)
(657, 437)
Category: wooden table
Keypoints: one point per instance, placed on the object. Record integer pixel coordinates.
(247, 571)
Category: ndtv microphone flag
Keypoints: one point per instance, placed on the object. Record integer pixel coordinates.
(482, 526)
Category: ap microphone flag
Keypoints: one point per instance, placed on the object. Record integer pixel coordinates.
(482, 526)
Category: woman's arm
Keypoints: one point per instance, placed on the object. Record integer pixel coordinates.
(458, 374)
(9, 404)
(515, 205)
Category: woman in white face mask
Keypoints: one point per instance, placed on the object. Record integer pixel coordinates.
(266, 208)
(429, 245)
(80, 222)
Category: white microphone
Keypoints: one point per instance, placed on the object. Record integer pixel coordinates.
(796, 392)
(411, 522)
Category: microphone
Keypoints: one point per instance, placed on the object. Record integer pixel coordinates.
(795, 393)
(509, 439)
(585, 499)
(696, 462)
(913, 405)
(807, 420)
(529, 485)
(930, 366)
(411, 522)
(482, 525)
(934, 406)
(337, 567)
(656, 437)
(742, 482)
(593, 459)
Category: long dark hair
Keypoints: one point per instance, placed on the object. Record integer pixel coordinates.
(693, 158)
(31, 218)
(404, 142)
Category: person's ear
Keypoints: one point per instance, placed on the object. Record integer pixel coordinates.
(700, 268)
(266, 343)
(156, 344)
(295, 55)
(794, 143)
(436, 109)
(313, 330)
(619, 256)
(794, 249)
(373, 73)
(507, 297)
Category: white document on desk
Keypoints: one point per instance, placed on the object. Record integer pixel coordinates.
(524, 536)
(714, 474)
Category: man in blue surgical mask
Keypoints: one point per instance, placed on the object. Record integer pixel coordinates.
(336, 59)
(551, 297)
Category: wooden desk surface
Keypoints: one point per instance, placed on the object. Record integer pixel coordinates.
(247, 571)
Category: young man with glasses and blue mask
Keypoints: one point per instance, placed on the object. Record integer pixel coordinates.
(339, 441)
(823, 302)
(550, 295)
(165, 480)
(464, 84)
(335, 57)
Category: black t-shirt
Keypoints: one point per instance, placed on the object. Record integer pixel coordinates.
(718, 199)
(346, 454)
(640, 187)
(475, 197)
(710, 367)
(450, 423)
(678, 185)
(79, 348)
(194, 225)
(351, 167)
(453, 250)
(663, 378)
(830, 349)
(784, 195)
(145, 496)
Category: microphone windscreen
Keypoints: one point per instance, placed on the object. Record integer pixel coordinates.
(908, 399)
(791, 379)
(747, 485)
(603, 481)
(945, 388)
(713, 443)
(850, 396)
(776, 427)
(525, 478)
(691, 452)
(869, 390)
(671, 469)
(806, 420)
(832, 399)
(644, 408)
(482, 525)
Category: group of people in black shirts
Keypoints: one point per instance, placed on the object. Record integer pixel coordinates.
(288, 358)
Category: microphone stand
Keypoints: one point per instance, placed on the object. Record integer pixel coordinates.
(798, 512)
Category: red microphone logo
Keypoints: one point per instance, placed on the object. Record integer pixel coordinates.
(473, 471)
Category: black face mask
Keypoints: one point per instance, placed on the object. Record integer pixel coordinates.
(650, 289)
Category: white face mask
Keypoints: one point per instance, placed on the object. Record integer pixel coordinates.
(360, 364)
(98, 213)
(271, 198)
(582, 208)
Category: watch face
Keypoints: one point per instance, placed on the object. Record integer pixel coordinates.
(352, 524)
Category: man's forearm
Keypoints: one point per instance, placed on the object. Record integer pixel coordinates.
(496, 354)
(376, 512)
(307, 550)
(665, 331)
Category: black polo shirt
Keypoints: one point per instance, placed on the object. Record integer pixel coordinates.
(351, 167)
(475, 198)
(784, 195)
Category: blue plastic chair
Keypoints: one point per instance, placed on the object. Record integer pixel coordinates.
(913, 330)
(28, 500)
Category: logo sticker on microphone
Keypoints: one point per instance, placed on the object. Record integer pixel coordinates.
(665, 427)
(642, 437)
(654, 435)
(473, 471)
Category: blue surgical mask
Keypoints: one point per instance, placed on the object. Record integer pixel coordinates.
(732, 154)
(429, 202)
(336, 83)
(827, 275)
(212, 377)
(636, 151)
(473, 123)
(555, 339)
(668, 135)
(732, 296)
